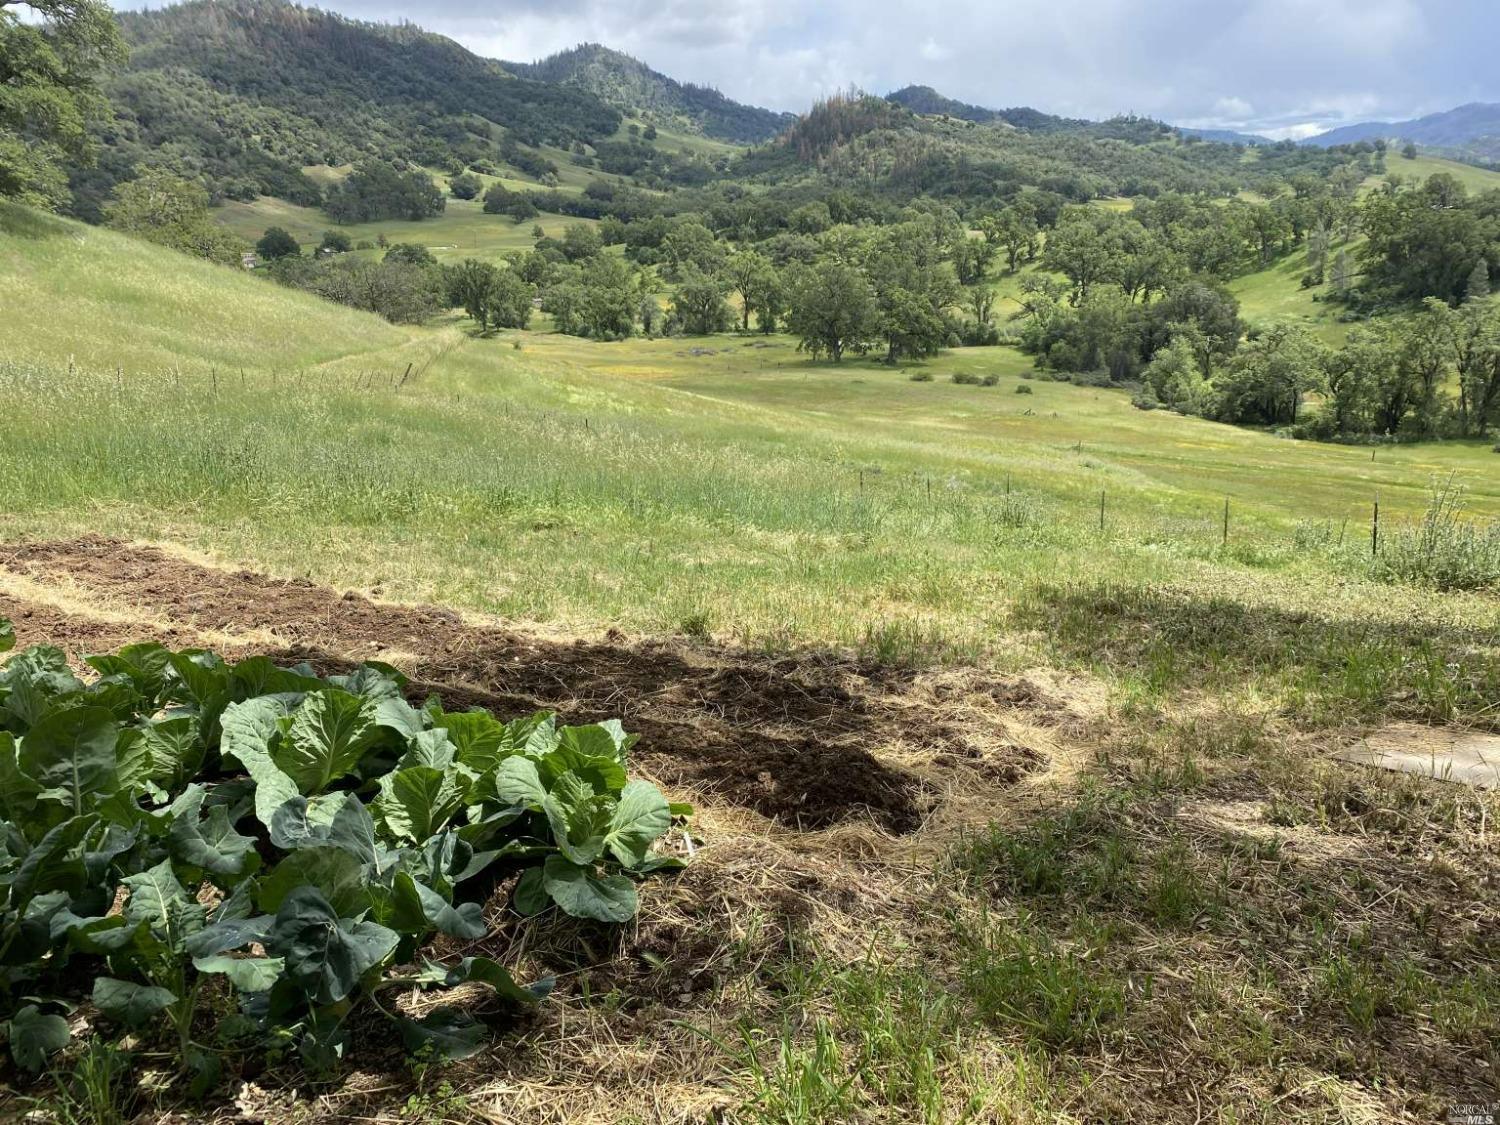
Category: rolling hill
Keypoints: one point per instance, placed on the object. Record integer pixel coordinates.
(1472, 130)
(634, 89)
(248, 92)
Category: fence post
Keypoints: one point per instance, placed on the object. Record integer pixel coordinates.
(1101, 509)
(1375, 528)
(1225, 542)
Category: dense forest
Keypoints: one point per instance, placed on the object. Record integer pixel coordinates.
(243, 94)
(636, 90)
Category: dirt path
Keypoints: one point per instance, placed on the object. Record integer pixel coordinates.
(808, 741)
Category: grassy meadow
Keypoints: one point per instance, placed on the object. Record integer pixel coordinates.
(726, 480)
(1192, 914)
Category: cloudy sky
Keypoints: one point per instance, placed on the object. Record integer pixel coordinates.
(1285, 67)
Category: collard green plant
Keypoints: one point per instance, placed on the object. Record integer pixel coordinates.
(178, 822)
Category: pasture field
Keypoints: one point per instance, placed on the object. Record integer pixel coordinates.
(1013, 756)
(462, 231)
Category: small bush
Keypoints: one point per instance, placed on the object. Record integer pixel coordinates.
(990, 381)
(966, 378)
(920, 376)
(1444, 551)
(1023, 389)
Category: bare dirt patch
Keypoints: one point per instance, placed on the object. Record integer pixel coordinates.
(809, 741)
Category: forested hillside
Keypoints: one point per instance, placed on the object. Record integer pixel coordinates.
(244, 93)
(633, 88)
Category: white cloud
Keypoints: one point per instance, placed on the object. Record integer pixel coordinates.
(1269, 65)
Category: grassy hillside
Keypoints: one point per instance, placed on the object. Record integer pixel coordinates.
(462, 231)
(89, 297)
(731, 468)
(1086, 824)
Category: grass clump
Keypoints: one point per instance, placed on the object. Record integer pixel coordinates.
(1444, 551)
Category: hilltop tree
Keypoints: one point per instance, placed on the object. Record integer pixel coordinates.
(49, 96)
(580, 241)
(277, 243)
(752, 276)
(172, 212)
(413, 254)
(832, 310)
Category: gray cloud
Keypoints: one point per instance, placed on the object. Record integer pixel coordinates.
(1279, 65)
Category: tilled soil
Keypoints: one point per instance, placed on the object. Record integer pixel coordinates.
(789, 737)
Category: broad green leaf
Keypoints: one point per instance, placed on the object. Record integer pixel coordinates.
(247, 974)
(641, 816)
(56, 863)
(530, 897)
(328, 735)
(429, 748)
(325, 956)
(413, 900)
(583, 893)
(130, 1004)
(579, 818)
(7, 635)
(249, 729)
(146, 666)
(212, 844)
(18, 792)
(258, 675)
(416, 802)
(34, 1036)
(447, 1034)
(174, 749)
(159, 900)
(485, 971)
(479, 739)
(204, 677)
(517, 782)
(337, 875)
(229, 933)
(72, 752)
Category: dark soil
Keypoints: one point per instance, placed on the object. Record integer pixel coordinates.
(787, 737)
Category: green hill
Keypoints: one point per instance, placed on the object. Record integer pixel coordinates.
(636, 90)
(248, 92)
(90, 299)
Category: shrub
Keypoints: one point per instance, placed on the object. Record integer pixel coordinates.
(1023, 389)
(179, 822)
(920, 376)
(966, 378)
(1444, 551)
(991, 380)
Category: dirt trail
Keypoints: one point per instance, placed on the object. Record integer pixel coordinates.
(808, 741)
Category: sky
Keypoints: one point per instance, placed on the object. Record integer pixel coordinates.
(1284, 68)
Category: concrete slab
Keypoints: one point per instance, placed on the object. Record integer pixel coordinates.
(1462, 757)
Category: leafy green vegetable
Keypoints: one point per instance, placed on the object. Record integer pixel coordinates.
(187, 820)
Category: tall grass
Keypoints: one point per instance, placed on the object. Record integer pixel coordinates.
(1445, 550)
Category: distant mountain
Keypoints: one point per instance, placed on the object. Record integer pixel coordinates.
(247, 92)
(1226, 136)
(928, 102)
(1472, 128)
(633, 88)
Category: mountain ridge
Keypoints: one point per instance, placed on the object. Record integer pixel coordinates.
(631, 86)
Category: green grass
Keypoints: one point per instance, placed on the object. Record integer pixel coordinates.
(463, 230)
(727, 481)
(1195, 890)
